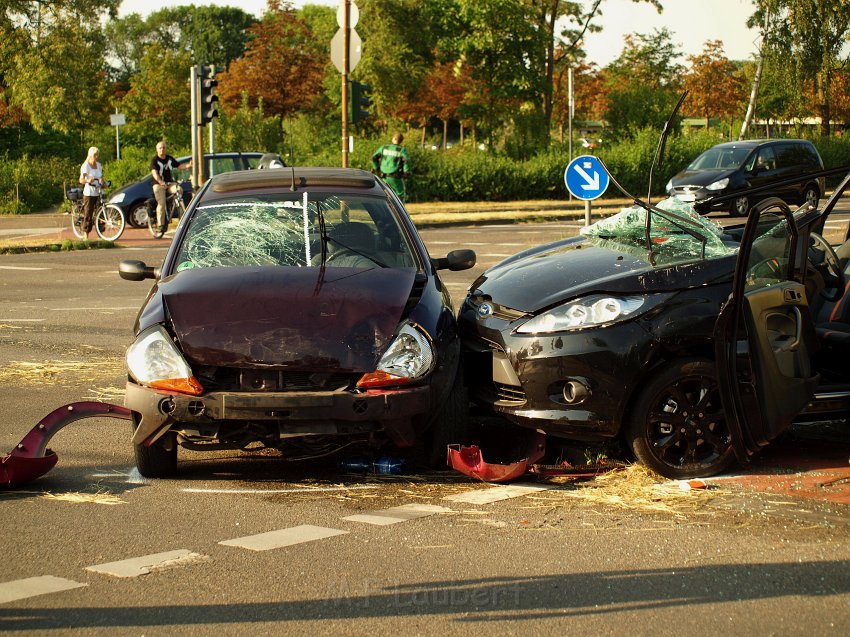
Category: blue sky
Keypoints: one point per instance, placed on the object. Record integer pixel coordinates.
(691, 22)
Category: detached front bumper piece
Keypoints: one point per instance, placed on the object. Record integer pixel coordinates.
(31, 459)
(470, 461)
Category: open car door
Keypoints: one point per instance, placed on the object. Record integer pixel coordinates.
(765, 336)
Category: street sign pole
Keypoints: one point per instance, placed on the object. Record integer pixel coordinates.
(345, 67)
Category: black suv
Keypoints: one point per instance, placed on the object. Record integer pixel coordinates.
(133, 198)
(736, 166)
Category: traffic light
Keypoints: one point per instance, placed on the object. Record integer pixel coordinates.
(360, 101)
(207, 96)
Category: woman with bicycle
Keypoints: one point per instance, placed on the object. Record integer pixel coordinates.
(91, 174)
(162, 166)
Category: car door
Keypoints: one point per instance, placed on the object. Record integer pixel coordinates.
(764, 336)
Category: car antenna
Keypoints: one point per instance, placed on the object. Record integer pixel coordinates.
(293, 188)
(662, 143)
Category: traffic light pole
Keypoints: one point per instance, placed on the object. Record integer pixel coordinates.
(345, 66)
(193, 85)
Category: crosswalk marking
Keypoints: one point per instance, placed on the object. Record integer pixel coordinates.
(282, 537)
(494, 494)
(32, 586)
(397, 514)
(136, 566)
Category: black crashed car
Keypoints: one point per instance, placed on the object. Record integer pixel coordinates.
(296, 309)
(732, 168)
(133, 198)
(615, 334)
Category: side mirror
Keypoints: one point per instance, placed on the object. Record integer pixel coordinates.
(456, 260)
(132, 270)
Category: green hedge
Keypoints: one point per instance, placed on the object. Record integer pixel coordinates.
(33, 184)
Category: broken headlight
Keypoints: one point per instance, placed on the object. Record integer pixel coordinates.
(155, 361)
(590, 311)
(409, 357)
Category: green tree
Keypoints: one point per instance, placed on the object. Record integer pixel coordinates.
(715, 85)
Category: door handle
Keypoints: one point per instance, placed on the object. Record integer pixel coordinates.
(794, 345)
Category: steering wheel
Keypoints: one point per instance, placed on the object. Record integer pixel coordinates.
(829, 267)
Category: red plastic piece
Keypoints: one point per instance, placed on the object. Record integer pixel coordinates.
(31, 459)
(470, 461)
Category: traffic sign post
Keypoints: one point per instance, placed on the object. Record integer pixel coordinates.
(587, 179)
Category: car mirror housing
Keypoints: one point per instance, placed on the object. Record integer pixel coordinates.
(132, 270)
(456, 260)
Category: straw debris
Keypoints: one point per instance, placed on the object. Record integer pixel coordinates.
(61, 372)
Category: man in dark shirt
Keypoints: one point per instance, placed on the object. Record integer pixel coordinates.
(162, 166)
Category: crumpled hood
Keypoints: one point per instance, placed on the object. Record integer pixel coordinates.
(342, 320)
(544, 276)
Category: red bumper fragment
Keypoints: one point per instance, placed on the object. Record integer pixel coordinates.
(470, 461)
(31, 459)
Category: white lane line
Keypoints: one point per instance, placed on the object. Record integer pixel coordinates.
(496, 254)
(93, 309)
(15, 267)
(494, 494)
(20, 320)
(143, 565)
(32, 586)
(398, 514)
(283, 537)
(266, 491)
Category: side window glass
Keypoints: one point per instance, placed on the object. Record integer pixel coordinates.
(769, 260)
(220, 165)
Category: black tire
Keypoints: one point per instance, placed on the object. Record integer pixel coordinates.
(678, 427)
(160, 459)
(155, 230)
(138, 216)
(77, 217)
(739, 207)
(450, 425)
(109, 223)
(811, 196)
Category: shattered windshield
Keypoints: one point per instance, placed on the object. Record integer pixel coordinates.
(295, 229)
(677, 234)
(720, 159)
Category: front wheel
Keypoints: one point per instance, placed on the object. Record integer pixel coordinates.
(739, 207)
(678, 426)
(160, 459)
(138, 216)
(811, 196)
(109, 223)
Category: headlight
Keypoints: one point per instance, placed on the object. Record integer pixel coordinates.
(410, 356)
(590, 311)
(720, 184)
(154, 360)
(669, 186)
(117, 197)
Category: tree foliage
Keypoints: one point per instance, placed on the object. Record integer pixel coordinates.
(715, 85)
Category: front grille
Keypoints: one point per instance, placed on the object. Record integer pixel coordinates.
(506, 313)
(236, 379)
(509, 395)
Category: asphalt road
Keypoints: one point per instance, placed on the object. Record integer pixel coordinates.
(246, 543)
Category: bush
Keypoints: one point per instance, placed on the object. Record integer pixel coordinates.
(32, 184)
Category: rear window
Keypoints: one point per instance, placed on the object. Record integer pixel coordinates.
(277, 230)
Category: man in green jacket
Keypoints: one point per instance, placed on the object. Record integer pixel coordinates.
(392, 162)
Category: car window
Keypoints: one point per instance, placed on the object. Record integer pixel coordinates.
(770, 255)
(678, 234)
(274, 230)
(720, 159)
(791, 156)
(766, 159)
(218, 165)
(252, 161)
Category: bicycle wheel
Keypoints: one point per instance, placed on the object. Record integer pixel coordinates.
(109, 223)
(77, 218)
(153, 226)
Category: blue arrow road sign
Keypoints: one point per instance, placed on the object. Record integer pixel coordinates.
(586, 178)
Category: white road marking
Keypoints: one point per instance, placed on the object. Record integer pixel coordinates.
(143, 565)
(494, 494)
(15, 267)
(267, 491)
(132, 476)
(496, 254)
(20, 320)
(283, 537)
(32, 586)
(398, 514)
(93, 309)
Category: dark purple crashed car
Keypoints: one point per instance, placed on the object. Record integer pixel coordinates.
(296, 309)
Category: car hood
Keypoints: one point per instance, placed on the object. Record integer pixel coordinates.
(540, 278)
(700, 177)
(300, 318)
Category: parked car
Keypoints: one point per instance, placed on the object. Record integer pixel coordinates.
(296, 309)
(618, 333)
(734, 167)
(133, 198)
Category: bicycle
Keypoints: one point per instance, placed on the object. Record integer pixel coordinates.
(109, 221)
(174, 207)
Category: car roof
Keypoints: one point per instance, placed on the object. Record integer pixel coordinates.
(295, 178)
(752, 143)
